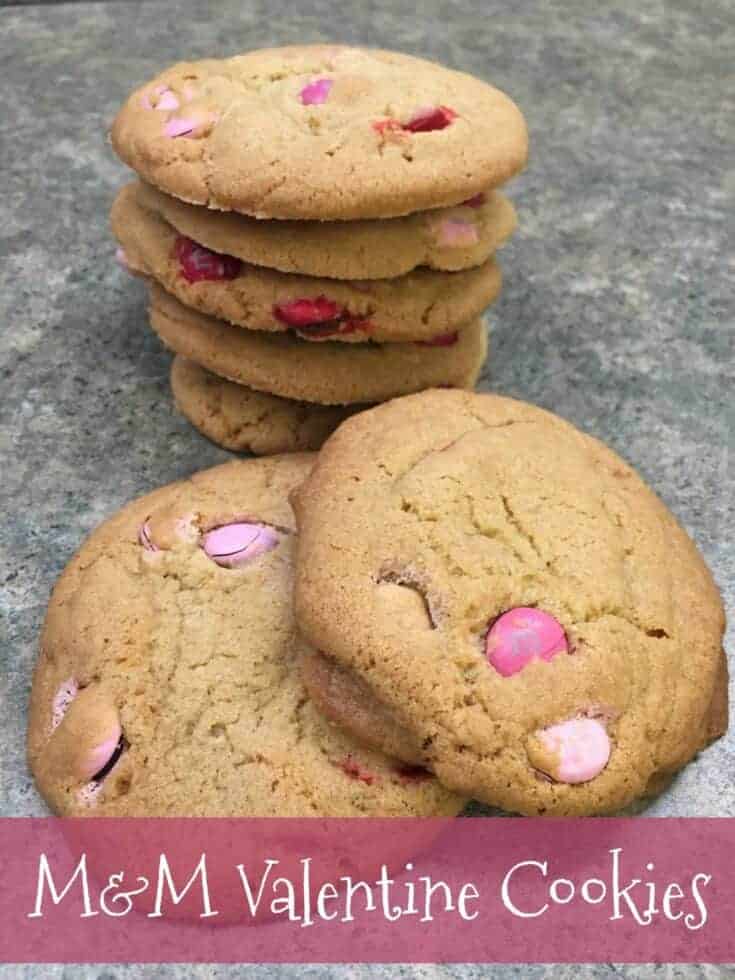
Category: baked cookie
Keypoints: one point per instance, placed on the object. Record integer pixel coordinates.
(422, 305)
(449, 238)
(328, 374)
(248, 421)
(516, 596)
(167, 682)
(320, 132)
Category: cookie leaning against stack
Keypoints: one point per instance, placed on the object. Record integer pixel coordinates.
(501, 599)
(166, 683)
(329, 213)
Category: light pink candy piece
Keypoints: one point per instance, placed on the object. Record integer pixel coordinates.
(316, 92)
(144, 537)
(98, 757)
(62, 699)
(234, 544)
(179, 127)
(167, 101)
(521, 635)
(121, 258)
(456, 232)
(583, 747)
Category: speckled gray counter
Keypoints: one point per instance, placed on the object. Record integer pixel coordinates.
(617, 310)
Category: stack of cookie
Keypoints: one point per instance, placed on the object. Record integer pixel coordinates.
(319, 227)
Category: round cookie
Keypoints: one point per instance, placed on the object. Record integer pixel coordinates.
(323, 132)
(244, 420)
(167, 684)
(329, 373)
(422, 305)
(562, 649)
(449, 239)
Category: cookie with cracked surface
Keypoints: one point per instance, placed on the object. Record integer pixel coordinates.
(516, 596)
(147, 702)
(328, 374)
(244, 420)
(323, 132)
(449, 239)
(422, 305)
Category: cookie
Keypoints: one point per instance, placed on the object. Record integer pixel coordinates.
(328, 373)
(519, 599)
(167, 683)
(449, 239)
(244, 420)
(323, 132)
(422, 305)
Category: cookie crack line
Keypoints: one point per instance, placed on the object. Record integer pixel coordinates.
(652, 632)
(526, 535)
(441, 449)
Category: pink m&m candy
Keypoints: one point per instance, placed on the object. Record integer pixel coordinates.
(316, 92)
(198, 124)
(200, 264)
(475, 202)
(234, 544)
(179, 127)
(582, 746)
(457, 233)
(441, 340)
(427, 119)
(98, 761)
(307, 312)
(167, 101)
(521, 635)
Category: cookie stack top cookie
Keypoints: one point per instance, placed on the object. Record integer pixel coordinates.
(320, 132)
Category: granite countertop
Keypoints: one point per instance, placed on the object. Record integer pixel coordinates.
(617, 310)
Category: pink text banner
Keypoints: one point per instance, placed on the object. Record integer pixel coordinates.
(362, 890)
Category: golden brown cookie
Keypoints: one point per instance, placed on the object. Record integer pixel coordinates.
(519, 599)
(422, 305)
(449, 238)
(320, 132)
(167, 684)
(248, 421)
(328, 373)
